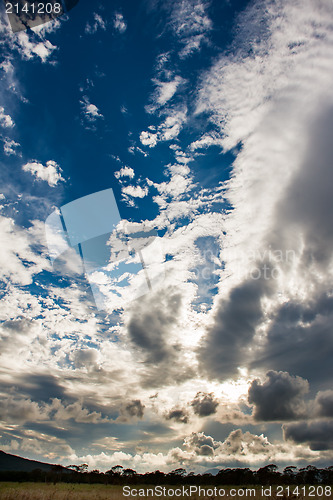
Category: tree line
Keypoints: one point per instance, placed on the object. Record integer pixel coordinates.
(119, 475)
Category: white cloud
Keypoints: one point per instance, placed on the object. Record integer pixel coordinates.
(169, 129)
(135, 191)
(206, 141)
(29, 45)
(125, 172)
(5, 120)
(119, 22)
(148, 139)
(51, 172)
(16, 248)
(191, 25)
(28, 48)
(90, 111)
(166, 90)
(10, 146)
(99, 23)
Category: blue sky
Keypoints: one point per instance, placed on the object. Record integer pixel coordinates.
(211, 122)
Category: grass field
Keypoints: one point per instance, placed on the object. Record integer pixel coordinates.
(62, 491)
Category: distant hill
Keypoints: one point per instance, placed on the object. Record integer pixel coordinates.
(213, 472)
(13, 463)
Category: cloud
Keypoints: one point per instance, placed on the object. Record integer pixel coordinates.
(152, 332)
(178, 415)
(29, 49)
(135, 191)
(280, 397)
(16, 249)
(206, 141)
(168, 130)
(228, 341)
(10, 147)
(119, 22)
(99, 23)
(324, 404)
(125, 172)
(50, 173)
(317, 434)
(204, 404)
(273, 119)
(28, 44)
(135, 408)
(164, 92)
(149, 327)
(148, 139)
(90, 111)
(5, 120)
(191, 25)
(201, 444)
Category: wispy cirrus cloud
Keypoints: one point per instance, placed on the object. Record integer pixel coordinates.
(97, 24)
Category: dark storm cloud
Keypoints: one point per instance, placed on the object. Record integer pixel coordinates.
(204, 404)
(324, 404)
(135, 408)
(317, 434)
(300, 340)
(178, 415)
(280, 397)
(225, 347)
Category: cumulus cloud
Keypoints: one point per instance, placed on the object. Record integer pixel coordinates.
(148, 139)
(29, 48)
(135, 191)
(201, 444)
(204, 404)
(125, 172)
(280, 397)
(50, 173)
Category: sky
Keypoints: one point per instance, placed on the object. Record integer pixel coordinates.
(211, 123)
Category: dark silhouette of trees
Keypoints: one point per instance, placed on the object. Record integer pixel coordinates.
(267, 475)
